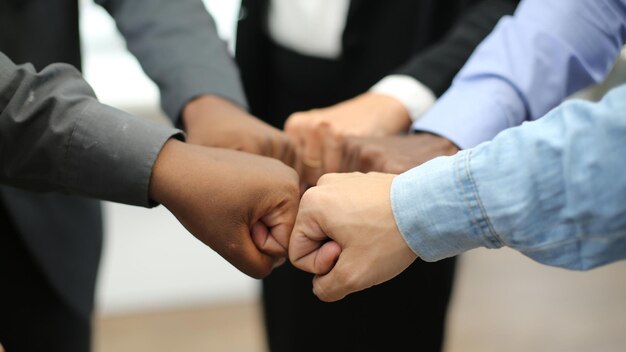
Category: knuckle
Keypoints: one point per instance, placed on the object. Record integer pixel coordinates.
(295, 122)
(370, 153)
(347, 277)
(321, 293)
(326, 178)
(311, 196)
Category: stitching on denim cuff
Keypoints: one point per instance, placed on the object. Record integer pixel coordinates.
(481, 226)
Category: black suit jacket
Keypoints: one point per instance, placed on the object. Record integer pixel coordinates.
(47, 222)
(177, 45)
(429, 40)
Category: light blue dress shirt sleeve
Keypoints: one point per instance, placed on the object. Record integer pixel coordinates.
(553, 189)
(528, 65)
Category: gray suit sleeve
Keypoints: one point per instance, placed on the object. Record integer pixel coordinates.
(177, 45)
(55, 136)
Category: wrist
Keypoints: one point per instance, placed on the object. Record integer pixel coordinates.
(207, 107)
(164, 170)
(393, 115)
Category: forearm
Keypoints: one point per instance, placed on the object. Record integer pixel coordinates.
(177, 45)
(551, 189)
(57, 137)
(546, 52)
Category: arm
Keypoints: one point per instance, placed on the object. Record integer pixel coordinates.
(177, 45)
(55, 136)
(553, 190)
(390, 106)
(528, 65)
(556, 195)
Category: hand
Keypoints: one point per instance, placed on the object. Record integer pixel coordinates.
(346, 234)
(216, 122)
(395, 154)
(317, 133)
(241, 205)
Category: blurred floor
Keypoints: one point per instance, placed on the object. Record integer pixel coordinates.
(506, 302)
(503, 302)
(233, 327)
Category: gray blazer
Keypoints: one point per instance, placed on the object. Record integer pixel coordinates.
(55, 136)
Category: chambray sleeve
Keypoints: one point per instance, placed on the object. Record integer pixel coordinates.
(528, 65)
(553, 189)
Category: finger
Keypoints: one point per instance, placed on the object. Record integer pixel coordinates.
(245, 256)
(289, 153)
(280, 221)
(307, 236)
(282, 148)
(265, 242)
(333, 149)
(353, 151)
(321, 260)
(311, 155)
(313, 141)
(342, 280)
(294, 129)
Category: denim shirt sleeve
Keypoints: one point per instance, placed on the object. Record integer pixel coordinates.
(552, 189)
(529, 64)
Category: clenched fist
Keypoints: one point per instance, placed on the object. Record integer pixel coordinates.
(241, 205)
(318, 133)
(346, 234)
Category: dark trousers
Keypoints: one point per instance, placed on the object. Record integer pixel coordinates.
(405, 314)
(32, 315)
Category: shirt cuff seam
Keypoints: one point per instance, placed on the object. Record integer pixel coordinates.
(400, 228)
(482, 225)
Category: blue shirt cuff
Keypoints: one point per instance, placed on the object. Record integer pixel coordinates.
(438, 211)
(474, 111)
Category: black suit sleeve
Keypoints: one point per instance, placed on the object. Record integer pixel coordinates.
(437, 66)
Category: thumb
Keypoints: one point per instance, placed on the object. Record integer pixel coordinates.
(310, 249)
(342, 280)
(246, 257)
(266, 242)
